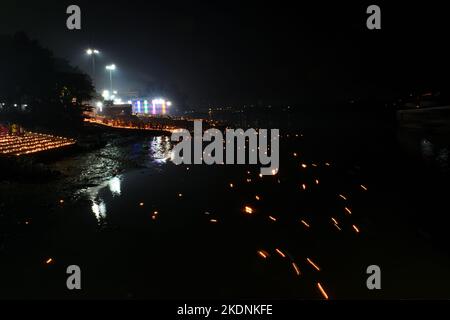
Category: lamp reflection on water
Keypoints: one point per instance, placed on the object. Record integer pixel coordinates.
(160, 148)
(427, 149)
(435, 154)
(99, 209)
(114, 186)
(153, 151)
(98, 206)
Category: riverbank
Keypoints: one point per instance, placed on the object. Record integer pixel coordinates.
(33, 186)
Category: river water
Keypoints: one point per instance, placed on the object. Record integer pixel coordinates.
(140, 227)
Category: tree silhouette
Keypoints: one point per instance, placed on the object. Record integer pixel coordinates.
(52, 89)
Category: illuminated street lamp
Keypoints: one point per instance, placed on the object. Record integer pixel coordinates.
(105, 94)
(111, 68)
(93, 53)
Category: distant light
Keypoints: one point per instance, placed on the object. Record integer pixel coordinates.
(248, 210)
(105, 94)
(99, 105)
(111, 67)
(169, 103)
(130, 102)
(158, 101)
(92, 51)
(115, 92)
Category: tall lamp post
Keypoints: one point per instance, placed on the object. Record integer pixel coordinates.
(111, 68)
(92, 53)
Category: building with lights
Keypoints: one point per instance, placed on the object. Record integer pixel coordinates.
(149, 106)
(115, 110)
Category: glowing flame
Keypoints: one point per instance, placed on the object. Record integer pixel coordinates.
(324, 294)
(297, 270)
(313, 264)
(280, 253)
(248, 210)
(305, 223)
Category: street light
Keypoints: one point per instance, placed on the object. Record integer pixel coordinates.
(92, 53)
(111, 68)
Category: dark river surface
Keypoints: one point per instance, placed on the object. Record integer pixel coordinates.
(140, 227)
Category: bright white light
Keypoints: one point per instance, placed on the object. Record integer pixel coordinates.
(111, 67)
(158, 101)
(99, 209)
(114, 186)
(115, 92)
(92, 51)
(99, 105)
(168, 103)
(105, 94)
(130, 102)
(118, 101)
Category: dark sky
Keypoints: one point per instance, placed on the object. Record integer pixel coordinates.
(240, 52)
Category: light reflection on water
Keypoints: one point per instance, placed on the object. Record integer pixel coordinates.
(160, 149)
(155, 151)
(98, 205)
(114, 186)
(434, 154)
(99, 210)
(426, 149)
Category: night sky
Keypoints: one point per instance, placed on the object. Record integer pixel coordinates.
(248, 52)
